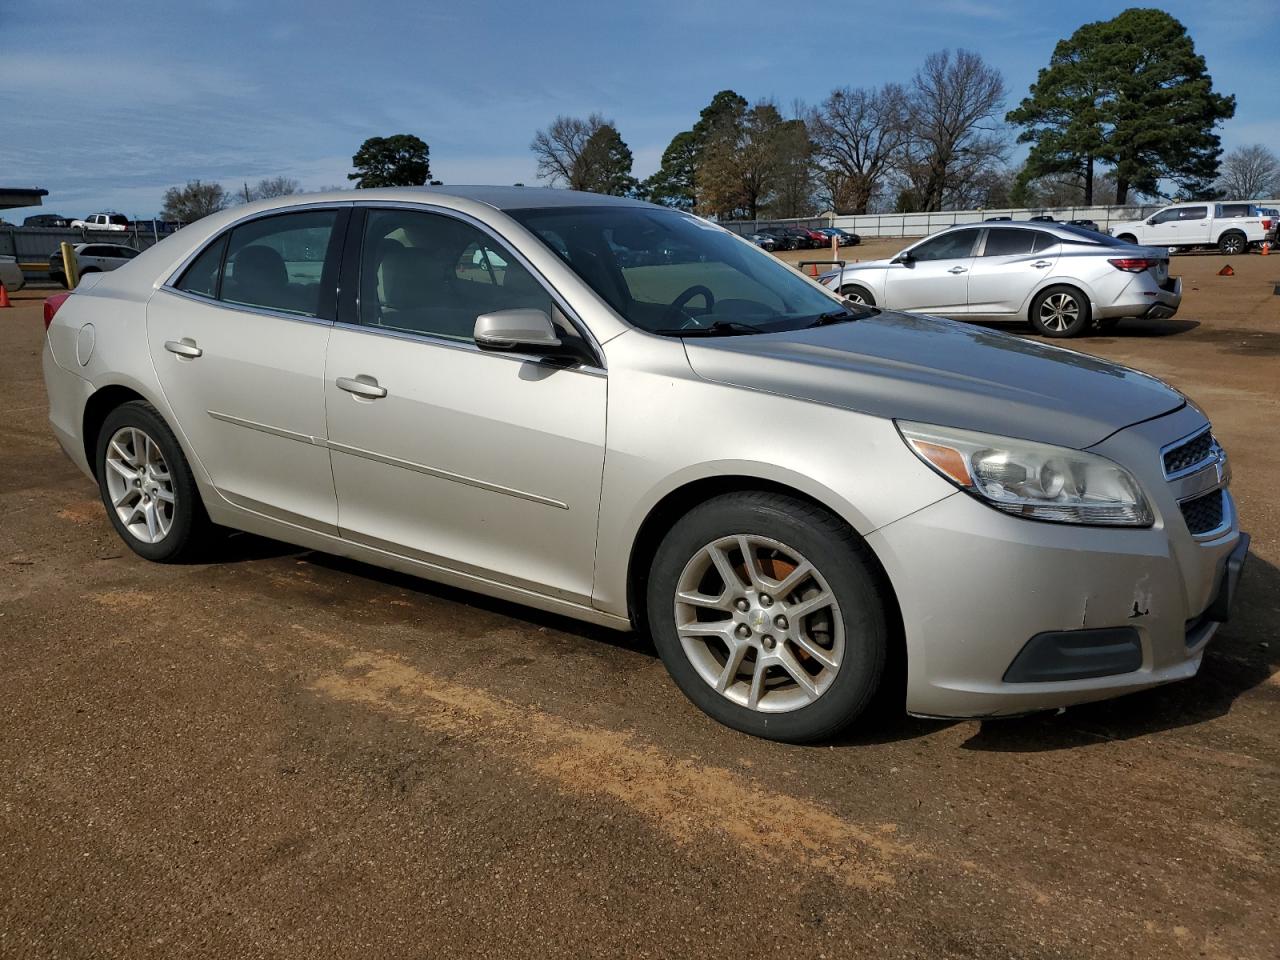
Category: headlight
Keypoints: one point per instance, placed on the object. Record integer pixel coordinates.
(1032, 479)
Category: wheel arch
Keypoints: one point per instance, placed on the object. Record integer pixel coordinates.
(677, 502)
(96, 409)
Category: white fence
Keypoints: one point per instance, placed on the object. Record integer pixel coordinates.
(922, 224)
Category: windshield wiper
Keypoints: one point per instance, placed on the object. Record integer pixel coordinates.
(721, 328)
(843, 315)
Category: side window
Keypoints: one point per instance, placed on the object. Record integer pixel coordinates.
(1044, 241)
(431, 274)
(948, 246)
(127, 252)
(1193, 213)
(279, 262)
(1164, 216)
(90, 251)
(1008, 243)
(203, 274)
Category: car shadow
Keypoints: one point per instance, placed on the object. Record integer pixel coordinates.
(1244, 654)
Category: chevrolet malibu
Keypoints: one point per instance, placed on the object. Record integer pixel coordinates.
(513, 391)
(1061, 279)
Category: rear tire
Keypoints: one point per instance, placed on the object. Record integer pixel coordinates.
(825, 618)
(1060, 312)
(1233, 244)
(147, 486)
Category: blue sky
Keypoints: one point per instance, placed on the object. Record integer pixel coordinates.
(124, 99)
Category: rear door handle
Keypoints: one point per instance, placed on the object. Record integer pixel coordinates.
(362, 386)
(958, 270)
(185, 348)
(1041, 264)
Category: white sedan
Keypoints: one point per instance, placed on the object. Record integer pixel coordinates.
(1062, 279)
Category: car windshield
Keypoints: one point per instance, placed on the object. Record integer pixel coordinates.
(671, 273)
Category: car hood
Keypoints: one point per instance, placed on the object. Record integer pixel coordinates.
(903, 366)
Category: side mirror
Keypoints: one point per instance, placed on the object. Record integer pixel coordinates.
(905, 258)
(521, 330)
(1151, 222)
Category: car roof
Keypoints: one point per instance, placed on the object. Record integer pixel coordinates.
(515, 198)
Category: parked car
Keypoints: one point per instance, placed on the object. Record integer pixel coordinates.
(11, 274)
(91, 258)
(997, 219)
(765, 240)
(46, 220)
(335, 374)
(105, 222)
(1061, 279)
(1189, 225)
(1042, 218)
(1086, 225)
(846, 238)
(784, 239)
(816, 237)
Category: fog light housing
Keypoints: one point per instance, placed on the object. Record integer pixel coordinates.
(1076, 655)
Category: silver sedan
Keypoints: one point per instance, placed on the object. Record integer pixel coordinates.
(627, 415)
(1062, 279)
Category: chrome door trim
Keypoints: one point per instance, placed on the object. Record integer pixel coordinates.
(570, 314)
(444, 475)
(244, 308)
(267, 428)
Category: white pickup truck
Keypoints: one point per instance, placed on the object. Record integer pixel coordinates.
(1232, 227)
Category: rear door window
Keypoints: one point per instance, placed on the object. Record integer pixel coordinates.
(1008, 243)
(202, 276)
(281, 262)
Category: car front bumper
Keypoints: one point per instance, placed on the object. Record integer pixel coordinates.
(975, 586)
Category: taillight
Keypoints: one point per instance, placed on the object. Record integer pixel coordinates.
(1133, 264)
(1266, 223)
(51, 305)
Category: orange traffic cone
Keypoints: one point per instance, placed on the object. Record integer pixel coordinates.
(813, 269)
(4, 297)
(1266, 249)
(1226, 271)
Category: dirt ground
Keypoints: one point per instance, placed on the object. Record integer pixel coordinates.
(282, 754)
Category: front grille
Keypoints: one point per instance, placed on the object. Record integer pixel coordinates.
(1203, 513)
(1195, 451)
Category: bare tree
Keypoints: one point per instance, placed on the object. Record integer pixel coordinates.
(1250, 173)
(956, 130)
(193, 202)
(566, 150)
(270, 187)
(858, 135)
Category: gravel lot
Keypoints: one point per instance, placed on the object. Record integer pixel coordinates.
(288, 755)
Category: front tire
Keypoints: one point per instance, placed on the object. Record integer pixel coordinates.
(1060, 312)
(858, 294)
(767, 612)
(147, 487)
(1127, 238)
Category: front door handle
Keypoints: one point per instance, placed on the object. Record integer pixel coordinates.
(185, 349)
(958, 270)
(362, 386)
(1041, 264)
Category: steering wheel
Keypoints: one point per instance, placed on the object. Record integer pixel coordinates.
(677, 305)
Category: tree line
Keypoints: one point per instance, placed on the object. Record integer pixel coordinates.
(1124, 107)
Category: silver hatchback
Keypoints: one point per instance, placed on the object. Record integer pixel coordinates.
(625, 414)
(1062, 279)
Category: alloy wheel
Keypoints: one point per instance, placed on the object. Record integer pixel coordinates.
(1059, 311)
(140, 485)
(759, 623)
(1232, 245)
(854, 296)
